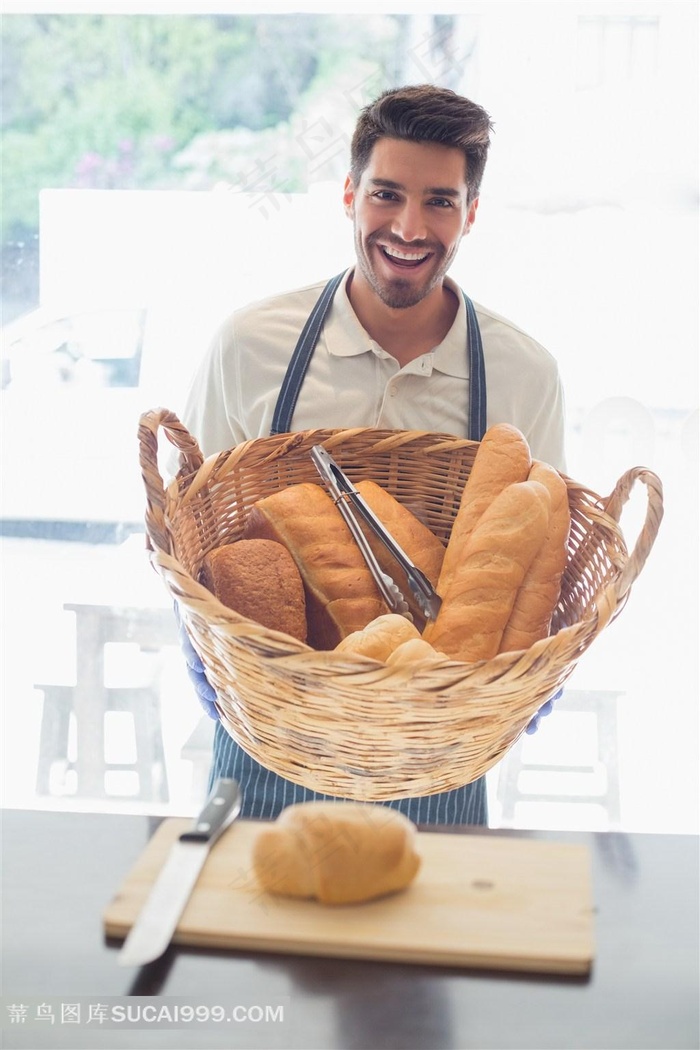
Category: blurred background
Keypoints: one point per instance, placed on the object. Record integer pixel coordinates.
(165, 164)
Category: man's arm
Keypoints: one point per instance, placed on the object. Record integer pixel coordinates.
(546, 435)
(211, 410)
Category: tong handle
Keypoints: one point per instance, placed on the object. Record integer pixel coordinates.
(387, 588)
(344, 493)
(339, 487)
(428, 600)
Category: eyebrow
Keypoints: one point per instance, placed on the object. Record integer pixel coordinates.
(437, 191)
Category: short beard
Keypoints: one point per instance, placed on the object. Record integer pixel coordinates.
(399, 294)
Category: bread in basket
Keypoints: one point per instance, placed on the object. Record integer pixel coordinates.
(345, 725)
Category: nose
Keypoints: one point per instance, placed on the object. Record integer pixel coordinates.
(408, 222)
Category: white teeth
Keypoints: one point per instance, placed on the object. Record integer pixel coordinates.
(409, 256)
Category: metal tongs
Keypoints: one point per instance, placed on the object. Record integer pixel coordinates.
(347, 500)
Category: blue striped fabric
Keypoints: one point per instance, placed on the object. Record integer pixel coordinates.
(265, 794)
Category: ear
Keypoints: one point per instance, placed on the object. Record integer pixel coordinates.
(471, 216)
(349, 197)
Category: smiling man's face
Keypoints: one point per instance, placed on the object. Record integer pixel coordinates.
(409, 213)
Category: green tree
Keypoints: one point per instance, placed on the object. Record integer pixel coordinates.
(172, 101)
(105, 101)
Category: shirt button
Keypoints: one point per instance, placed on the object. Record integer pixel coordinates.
(393, 391)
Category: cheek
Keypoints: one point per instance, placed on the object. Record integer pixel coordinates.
(365, 228)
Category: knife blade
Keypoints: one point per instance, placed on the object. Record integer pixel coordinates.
(156, 922)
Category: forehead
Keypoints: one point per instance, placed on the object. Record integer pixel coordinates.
(426, 164)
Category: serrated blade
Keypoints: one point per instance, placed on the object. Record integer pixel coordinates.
(157, 921)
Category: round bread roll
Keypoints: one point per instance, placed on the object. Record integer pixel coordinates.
(380, 637)
(336, 852)
(259, 580)
(414, 651)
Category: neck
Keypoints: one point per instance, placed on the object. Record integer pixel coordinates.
(408, 332)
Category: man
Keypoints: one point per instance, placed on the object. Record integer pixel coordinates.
(391, 343)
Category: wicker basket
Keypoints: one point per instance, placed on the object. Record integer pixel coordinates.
(350, 726)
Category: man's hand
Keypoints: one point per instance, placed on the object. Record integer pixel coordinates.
(195, 670)
(546, 709)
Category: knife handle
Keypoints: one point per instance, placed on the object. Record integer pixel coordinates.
(222, 806)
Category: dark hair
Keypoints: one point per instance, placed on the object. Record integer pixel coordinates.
(424, 113)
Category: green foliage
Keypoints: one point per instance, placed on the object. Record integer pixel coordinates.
(111, 101)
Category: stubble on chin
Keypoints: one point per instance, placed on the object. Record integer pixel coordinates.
(396, 293)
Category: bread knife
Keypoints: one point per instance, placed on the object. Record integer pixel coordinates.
(157, 921)
(346, 497)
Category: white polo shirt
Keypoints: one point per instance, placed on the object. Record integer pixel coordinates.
(352, 382)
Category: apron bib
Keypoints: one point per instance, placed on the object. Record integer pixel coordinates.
(265, 794)
(306, 344)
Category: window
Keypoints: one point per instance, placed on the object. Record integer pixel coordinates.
(161, 170)
(615, 49)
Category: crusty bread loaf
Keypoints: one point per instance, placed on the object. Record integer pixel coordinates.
(502, 459)
(489, 571)
(422, 546)
(258, 579)
(341, 595)
(379, 638)
(336, 852)
(537, 597)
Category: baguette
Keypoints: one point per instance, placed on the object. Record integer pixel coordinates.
(341, 595)
(502, 459)
(336, 852)
(489, 571)
(538, 595)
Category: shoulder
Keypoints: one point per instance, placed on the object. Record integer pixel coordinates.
(504, 340)
(261, 326)
(284, 308)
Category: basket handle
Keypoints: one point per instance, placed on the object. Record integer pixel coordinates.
(647, 535)
(191, 460)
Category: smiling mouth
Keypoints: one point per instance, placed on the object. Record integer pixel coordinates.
(403, 259)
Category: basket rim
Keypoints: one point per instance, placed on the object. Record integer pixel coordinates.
(188, 483)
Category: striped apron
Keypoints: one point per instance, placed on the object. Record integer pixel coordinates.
(265, 794)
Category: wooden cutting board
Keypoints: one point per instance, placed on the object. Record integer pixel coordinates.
(482, 901)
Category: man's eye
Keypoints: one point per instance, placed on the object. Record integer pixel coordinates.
(385, 195)
(441, 202)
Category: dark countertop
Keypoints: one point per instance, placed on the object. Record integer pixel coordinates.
(61, 869)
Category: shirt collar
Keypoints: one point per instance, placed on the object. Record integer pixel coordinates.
(345, 336)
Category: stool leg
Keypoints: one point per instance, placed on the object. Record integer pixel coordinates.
(508, 783)
(90, 704)
(150, 753)
(159, 773)
(53, 738)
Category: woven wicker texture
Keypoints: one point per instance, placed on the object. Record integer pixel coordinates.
(350, 726)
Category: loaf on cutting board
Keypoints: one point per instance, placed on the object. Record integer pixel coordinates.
(336, 852)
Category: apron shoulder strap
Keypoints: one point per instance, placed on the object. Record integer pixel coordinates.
(477, 375)
(289, 391)
(299, 363)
